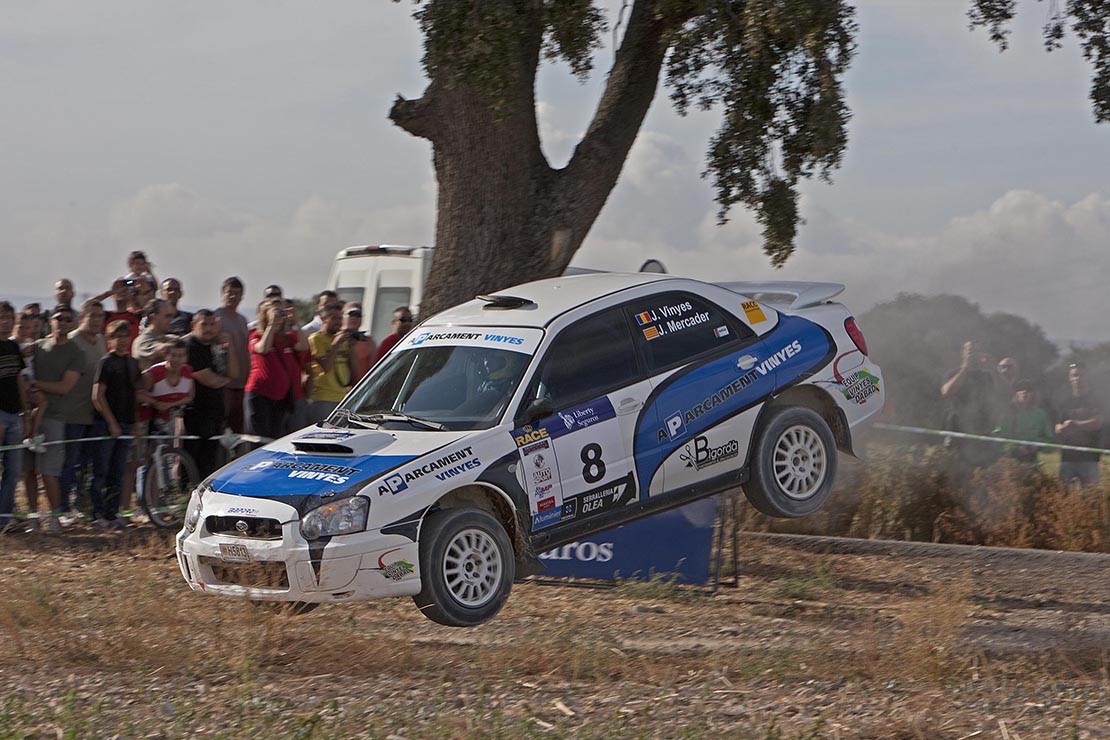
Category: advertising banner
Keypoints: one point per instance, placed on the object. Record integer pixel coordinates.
(676, 543)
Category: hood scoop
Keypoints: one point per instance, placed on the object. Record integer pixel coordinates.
(322, 448)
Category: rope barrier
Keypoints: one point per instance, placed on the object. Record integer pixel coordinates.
(986, 438)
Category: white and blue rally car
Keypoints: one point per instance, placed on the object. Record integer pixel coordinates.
(515, 423)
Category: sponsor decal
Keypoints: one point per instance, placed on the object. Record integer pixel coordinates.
(327, 435)
(527, 435)
(447, 466)
(546, 505)
(533, 448)
(242, 510)
(396, 570)
(674, 426)
(607, 496)
(651, 332)
(337, 474)
(720, 331)
(545, 519)
(753, 311)
(570, 509)
(586, 552)
(583, 416)
(857, 386)
(429, 336)
(541, 491)
(541, 476)
(860, 386)
(501, 339)
(539, 461)
(701, 455)
(779, 357)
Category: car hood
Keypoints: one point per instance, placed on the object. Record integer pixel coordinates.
(320, 461)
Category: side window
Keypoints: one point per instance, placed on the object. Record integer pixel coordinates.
(672, 328)
(587, 359)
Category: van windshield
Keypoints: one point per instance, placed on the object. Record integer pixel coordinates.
(460, 387)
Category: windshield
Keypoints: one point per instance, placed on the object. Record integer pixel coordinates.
(448, 386)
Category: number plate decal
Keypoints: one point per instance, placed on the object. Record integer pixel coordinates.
(234, 553)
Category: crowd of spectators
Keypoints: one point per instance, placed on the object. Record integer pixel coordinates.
(81, 387)
(993, 399)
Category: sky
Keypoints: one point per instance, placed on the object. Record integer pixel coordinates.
(252, 138)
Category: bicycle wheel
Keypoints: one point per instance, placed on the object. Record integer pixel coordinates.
(170, 481)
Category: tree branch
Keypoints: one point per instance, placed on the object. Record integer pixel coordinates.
(414, 116)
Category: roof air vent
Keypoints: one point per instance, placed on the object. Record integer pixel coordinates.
(503, 302)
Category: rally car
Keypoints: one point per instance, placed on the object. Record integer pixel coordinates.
(518, 422)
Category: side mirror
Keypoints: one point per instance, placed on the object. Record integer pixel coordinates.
(539, 408)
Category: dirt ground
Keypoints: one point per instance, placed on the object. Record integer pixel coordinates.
(820, 638)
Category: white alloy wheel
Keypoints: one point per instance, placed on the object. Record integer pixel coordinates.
(800, 462)
(472, 566)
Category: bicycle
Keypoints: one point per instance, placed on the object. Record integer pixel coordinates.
(164, 494)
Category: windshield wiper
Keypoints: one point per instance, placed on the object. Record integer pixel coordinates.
(350, 418)
(401, 416)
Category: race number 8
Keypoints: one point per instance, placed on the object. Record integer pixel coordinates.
(594, 466)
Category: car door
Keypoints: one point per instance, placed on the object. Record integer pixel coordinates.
(576, 459)
(702, 363)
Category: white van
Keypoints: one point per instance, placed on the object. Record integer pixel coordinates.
(382, 278)
(385, 277)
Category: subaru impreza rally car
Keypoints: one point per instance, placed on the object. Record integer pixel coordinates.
(515, 423)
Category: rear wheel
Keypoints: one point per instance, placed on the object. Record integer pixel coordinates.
(793, 464)
(466, 567)
(166, 494)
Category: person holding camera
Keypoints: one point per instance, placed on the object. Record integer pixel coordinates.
(274, 383)
(332, 365)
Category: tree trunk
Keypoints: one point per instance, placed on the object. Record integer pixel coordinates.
(504, 216)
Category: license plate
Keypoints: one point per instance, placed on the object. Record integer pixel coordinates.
(234, 553)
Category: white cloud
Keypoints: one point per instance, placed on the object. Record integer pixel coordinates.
(170, 211)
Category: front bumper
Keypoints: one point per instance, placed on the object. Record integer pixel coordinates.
(263, 565)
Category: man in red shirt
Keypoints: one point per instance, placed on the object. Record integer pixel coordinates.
(402, 322)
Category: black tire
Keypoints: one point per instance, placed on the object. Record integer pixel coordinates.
(466, 567)
(166, 506)
(793, 463)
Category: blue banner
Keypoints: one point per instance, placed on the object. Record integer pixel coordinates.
(676, 543)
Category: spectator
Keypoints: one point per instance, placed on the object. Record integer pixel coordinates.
(274, 381)
(970, 394)
(27, 331)
(150, 346)
(63, 292)
(298, 419)
(115, 386)
(167, 387)
(79, 419)
(272, 291)
(123, 293)
(234, 326)
(402, 323)
(206, 416)
(182, 322)
(58, 365)
(1080, 425)
(1025, 420)
(142, 270)
(332, 363)
(325, 298)
(362, 344)
(13, 402)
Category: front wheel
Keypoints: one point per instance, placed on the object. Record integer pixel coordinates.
(169, 481)
(793, 464)
(466, 567)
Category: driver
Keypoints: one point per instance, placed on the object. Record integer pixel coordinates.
(496, 373)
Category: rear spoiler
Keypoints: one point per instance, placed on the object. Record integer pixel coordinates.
(791, 294)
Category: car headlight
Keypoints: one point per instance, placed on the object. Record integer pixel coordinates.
(339, 517)
(192, 511)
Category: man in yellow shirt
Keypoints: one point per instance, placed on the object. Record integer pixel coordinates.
(332, 364)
